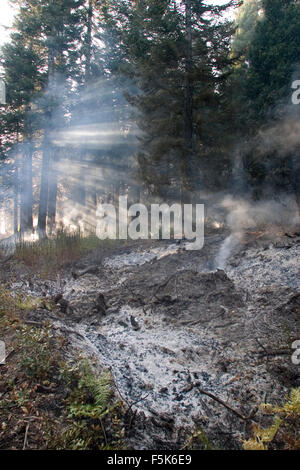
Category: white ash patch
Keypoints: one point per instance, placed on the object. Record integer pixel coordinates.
(155, 365)
(259, 268)
(138, 258)
(156, 362)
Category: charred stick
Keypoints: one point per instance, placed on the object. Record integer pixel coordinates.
(220, 401)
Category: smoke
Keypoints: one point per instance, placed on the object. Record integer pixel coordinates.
(275, 172)
(247, 216)
(89, 139)
(226, 249)
(92, 142)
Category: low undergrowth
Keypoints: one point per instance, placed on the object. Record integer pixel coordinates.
(198, 440)
(49, 255)
(94, 419)
(284, 432)
(46, 401)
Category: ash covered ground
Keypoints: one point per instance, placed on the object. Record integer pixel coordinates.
(178, 334)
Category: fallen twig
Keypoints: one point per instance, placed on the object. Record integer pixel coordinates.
(89, 270)
(64, 329)
(9, 354)
(8, 258)
(121, 396)
(35, 323)
(26, 436)
(279, 352)
(233, 410)
(221, 402)
(261, 345)
(164, 284)
(275, 352)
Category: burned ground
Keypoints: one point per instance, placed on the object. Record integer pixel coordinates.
(188, 346)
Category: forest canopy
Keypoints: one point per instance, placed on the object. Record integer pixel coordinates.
(155, 99)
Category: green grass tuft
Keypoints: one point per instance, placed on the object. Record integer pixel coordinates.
(49, 255)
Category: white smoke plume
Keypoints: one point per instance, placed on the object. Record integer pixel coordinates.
(244, 216)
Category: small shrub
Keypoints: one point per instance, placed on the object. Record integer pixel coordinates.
(284, 433)
(36, 354)
(48, 255)
(91, 417)
(95, 418)
(8, 307)
(199, 440)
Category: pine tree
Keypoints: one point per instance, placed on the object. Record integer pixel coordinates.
(175, 55)
(271, 59)
(273, 56)
(246, 20)
(60, 21)
(21, 64)
(52, 30)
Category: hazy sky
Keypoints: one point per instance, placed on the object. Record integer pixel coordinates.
(6, 19)
(7, 14)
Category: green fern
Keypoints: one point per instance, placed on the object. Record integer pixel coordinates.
(95, 417)
(98, 387)
(91, 397)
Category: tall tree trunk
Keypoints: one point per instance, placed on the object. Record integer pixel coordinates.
(89, 42)
(44, 190)
(188, 106)
(82, 196)
(47, 145)
(52, 197)
(26, 216)
(16, 197)
(87, 77)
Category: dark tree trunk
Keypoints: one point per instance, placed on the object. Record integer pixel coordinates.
(26, 217)
(81, 193)
(188, 105)
(47, 144)
(16, 197)
(44, 191)
(52, 196)
(89, 42)
(188, 108)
